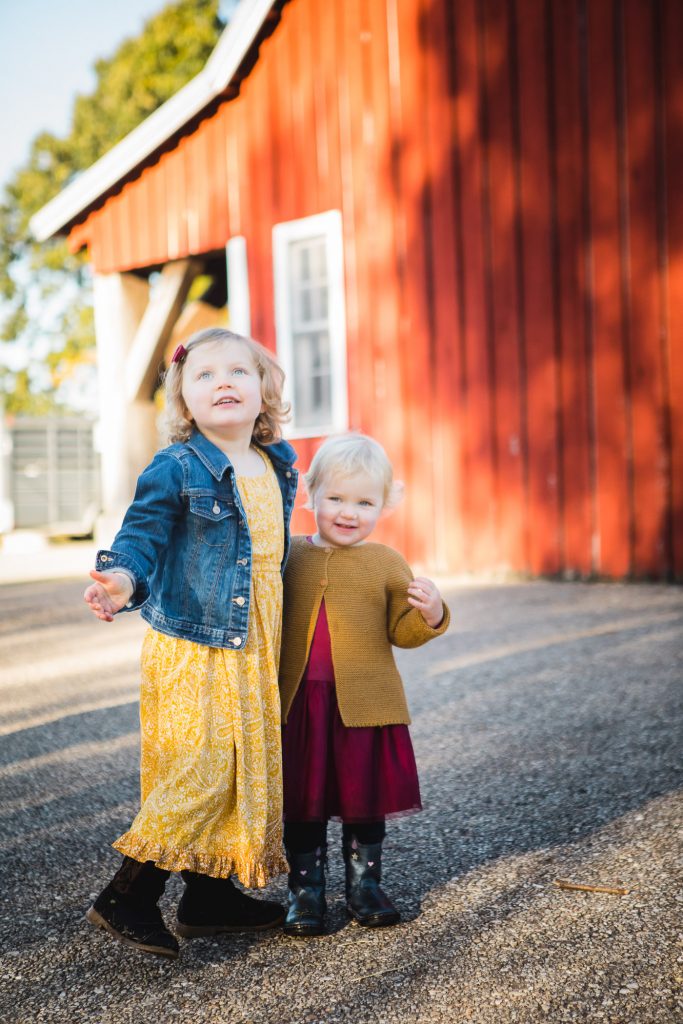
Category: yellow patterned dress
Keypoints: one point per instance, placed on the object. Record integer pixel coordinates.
(211, 769)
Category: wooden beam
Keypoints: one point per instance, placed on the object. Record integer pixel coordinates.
(144, 358)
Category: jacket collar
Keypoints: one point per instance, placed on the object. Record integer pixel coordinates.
(281, 452)
(217, 461)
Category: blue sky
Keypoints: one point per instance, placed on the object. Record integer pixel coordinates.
(47, 52)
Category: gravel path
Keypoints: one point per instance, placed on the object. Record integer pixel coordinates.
(547, 726)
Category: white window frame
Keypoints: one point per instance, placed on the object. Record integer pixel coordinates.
(239, 306)
(328, 224)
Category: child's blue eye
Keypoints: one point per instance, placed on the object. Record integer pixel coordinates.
(238, 369)
(204, 375)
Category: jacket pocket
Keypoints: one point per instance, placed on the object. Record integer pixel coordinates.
(212, 519)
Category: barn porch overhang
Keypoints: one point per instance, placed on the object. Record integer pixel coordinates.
(219, 80)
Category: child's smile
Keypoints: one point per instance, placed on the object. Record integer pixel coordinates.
(347, 509)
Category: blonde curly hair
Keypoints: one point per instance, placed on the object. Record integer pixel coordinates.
(176, 420)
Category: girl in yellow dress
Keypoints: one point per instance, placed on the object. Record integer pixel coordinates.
(201, 553)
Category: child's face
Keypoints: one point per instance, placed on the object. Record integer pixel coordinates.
(347, 507)
(222, 389)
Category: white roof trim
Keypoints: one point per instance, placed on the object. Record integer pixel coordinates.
(211, 81)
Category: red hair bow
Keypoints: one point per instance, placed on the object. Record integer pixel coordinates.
(179, 354)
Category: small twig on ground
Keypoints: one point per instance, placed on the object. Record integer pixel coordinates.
(564, 883)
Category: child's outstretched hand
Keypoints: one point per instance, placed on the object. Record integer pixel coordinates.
(108, 595)
(424, 595)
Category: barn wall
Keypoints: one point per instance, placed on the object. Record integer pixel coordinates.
(508, 173)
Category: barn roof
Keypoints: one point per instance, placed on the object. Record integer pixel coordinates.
(223, 70)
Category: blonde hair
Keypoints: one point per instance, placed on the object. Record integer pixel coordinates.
(346, 455)
(176, 417)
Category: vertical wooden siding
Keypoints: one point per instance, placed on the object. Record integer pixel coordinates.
(508, 174)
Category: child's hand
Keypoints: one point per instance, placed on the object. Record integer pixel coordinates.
(109, 594)
(424, 595)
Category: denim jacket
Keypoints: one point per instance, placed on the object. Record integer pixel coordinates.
(185, 542)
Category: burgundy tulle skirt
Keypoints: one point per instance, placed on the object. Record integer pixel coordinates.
(331, 771)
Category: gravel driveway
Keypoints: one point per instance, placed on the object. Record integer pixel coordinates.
(547, 727)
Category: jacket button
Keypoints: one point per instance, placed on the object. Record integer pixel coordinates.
(242, 561)
(288, 474)
(216, 508)
(239, 601)
(237, 640)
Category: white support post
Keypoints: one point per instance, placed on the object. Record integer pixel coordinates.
(120, 301)
(239, 311)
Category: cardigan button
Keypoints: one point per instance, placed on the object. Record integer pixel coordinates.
(323, 583)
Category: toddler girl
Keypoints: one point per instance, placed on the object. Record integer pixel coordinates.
(346, 748)
(200, 552)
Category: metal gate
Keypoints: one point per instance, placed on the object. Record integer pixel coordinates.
(54, 475)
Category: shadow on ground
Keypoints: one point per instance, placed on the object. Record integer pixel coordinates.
(548, 716)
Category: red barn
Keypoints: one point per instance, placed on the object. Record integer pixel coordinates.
(457, 222)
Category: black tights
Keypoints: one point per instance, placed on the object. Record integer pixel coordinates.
(303, 836)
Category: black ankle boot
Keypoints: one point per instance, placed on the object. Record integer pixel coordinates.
(127, 909)
(307, 904)
(210, 906)
(365, 900)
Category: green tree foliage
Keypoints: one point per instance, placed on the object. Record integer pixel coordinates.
(44, 290)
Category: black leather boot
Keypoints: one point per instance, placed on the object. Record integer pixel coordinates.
(127, 909)
(365, 900)
(210, 906)
(307, 905)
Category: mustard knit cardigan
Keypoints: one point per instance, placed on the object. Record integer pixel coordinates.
(365, 591)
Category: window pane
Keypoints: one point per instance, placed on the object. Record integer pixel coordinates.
(304, 316)
(304, 267)
(318, 257)
(308, 280)
(312, 379)
(318, 303)
(310, 331)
